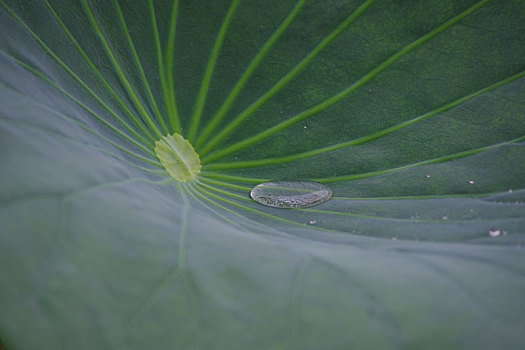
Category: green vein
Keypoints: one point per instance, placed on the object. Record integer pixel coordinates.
(120, 73)
(183, 228)
(92, 66)
(362, 199)
(194, 193)
(199, 188)
(201, 98)
(202, 187)
(361, 140)
(341, 95)
(148, 302)
(167, 88)
(285, 80)
(383, 218)
(227, 193)
(138, 64)
(426, 162)
(226, 184)
(105, 186)
(232, 177)
(246, 199)
(423, 197)
(212, 124)
(296, 315)
(173, 114)
(224, 192)
(390, 324)
(457, 283)
(86, 108)
(190, 191)
(99, 149)
(172, 276)
(73, 75)
(347, 214)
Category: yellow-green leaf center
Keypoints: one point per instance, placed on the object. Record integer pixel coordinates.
(178, 157)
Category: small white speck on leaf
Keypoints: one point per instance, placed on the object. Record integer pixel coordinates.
(494, 232)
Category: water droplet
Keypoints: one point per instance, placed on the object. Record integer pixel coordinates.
(494, 232)
(312, 222)
(427, 175)
(471, 182)
(291, 194)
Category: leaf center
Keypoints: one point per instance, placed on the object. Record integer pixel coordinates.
(178, 157)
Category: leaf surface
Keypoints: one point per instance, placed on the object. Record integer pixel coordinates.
(411, 111)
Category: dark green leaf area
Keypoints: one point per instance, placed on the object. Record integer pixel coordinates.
(453, 65)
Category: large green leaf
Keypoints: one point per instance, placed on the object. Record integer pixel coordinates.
(411, 111)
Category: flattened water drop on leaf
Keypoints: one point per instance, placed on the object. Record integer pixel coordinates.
(291, 194)
(178, 157)
(494, 232)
